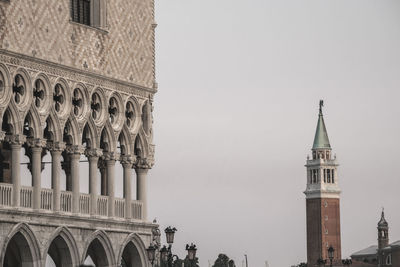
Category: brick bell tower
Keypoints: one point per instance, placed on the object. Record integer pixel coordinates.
(322, 199)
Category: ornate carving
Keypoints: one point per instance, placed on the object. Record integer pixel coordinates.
(36, 142)
(56, 146)
(107, 156)
(75, 149)
(143, 164)
(94, 152)
(15, 139)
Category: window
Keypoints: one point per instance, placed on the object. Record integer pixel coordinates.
(389, 259)
(89, 12)
(326, 231)
(324, 175)
(328, 174)
(333, 176)
(80, 11)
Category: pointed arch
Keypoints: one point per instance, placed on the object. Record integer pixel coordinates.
(71, 134)
(11, 119)
(99, 240)
(90, 134)
(125, 140)
(63, 236)
(34, 123)
(139, 246)
(108, 136)
(29, 237)
(54, 127)
(141, 144)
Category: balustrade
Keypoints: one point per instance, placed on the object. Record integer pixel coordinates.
(46, 199)
(26, 196)
(120, 207)
(84, 203)
(66, 201)
(137, 209)
(5, 194)
(102, 205)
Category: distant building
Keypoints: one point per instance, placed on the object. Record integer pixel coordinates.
(381, 255)
(322, 199)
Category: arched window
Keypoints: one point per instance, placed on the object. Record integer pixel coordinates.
(389, 259)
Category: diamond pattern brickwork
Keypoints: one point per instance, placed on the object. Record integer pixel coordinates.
(123, 50)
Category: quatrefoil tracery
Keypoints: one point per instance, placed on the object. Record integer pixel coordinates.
(58, 97)
(130, 114)
(113, 110)
(96, 106)
(18, 88)
(77, 101)
(39, 93)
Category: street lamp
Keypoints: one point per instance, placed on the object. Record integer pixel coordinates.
(166, 256)
(151, 253)
(331, 250)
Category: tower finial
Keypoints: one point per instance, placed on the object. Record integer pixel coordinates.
(321, 104)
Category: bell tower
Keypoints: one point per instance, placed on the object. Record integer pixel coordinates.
(383, 232)
(322, 198)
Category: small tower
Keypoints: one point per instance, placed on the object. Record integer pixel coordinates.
(383, 232)
(322, 198)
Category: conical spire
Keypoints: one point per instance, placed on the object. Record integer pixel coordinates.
(382, 222)
(321, 140)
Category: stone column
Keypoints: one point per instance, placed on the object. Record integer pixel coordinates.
(16, 142)
(55, 151)
(110, 165)
(75, 155)
(103, 174)
(127, 165)
(36, 146)
(93, 157)
(141, 169)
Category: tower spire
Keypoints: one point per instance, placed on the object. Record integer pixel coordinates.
(321, 140)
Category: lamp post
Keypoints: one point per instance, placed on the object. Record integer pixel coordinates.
(166, 255)
(331, 250)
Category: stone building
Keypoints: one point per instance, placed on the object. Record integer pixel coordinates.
(77, 80)
(383, 254)
(322, 199)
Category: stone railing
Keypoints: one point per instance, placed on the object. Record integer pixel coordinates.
(5, 194)
(102, 205)
(46, 199)
(66, 201)
(137, 209)
(47, 202)
(120, 207)
(26, 197)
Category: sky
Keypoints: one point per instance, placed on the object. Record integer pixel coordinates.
(236, 112)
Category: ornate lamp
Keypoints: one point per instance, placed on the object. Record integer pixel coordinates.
(191, 251)
(164, 253)
(151, 253)
(170, 233)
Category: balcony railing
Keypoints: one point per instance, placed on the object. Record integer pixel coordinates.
(47, 202)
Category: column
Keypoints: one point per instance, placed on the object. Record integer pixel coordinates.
(55, 151)
(93, 157)
(141, 188)
(103, 174)
(75, 155)
(110, 165)
(127, 165)
(36, 163)
(16, 142)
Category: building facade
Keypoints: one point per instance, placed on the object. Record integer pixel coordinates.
(383, 254)
(77, 81)
(322, 199)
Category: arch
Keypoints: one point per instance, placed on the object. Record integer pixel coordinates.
(34, 123)
(142, 144)
(90, 134)
(12, 120)
(23, 238)
(120, 117)
(135, 246)
(99, 248)
(48, 93)
(71, 133)
(27, 99)
(5, 96)
(66, 92)
(125, 140)
(108, 136)
(54, 127)
(62, 248)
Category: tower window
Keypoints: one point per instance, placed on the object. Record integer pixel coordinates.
(80, 11)
(389, 259)
(333, 176)
(324, 175)
(328, 175)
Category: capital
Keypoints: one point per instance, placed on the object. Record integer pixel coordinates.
(127, 161)
(143, 164)
(15, 139)
(108, 156)
(75, 149)
(36, 142)
(55, 146)
(93, 153)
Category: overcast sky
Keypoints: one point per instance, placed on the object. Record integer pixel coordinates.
(236, 112)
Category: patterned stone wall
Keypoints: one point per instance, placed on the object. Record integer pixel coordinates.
(123, 49)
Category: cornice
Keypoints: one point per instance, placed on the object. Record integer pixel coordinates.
(71, 73)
